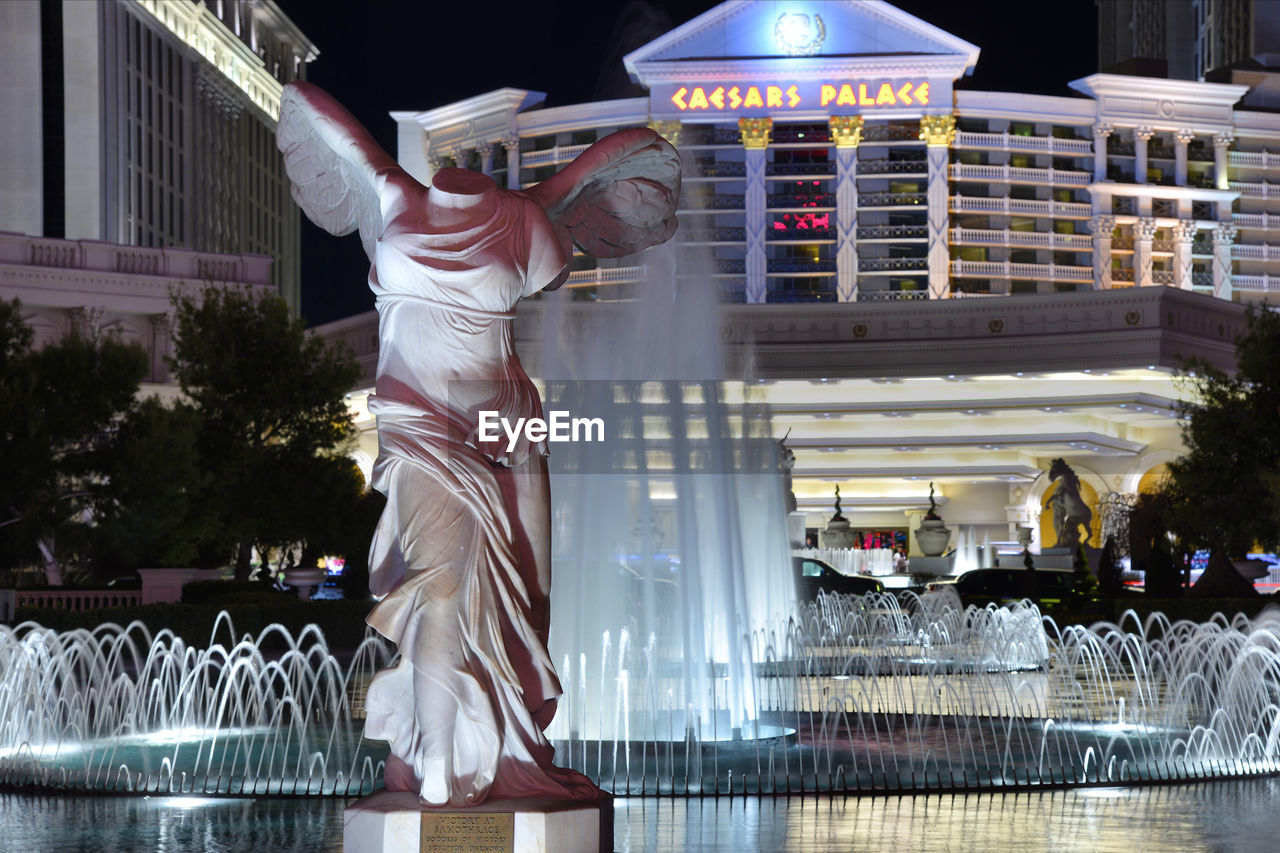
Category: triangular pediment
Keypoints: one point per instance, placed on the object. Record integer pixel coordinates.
(776, 29)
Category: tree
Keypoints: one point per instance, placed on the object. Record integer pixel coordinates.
(61, 405)
(270, 401)
(1226, 485)
(150, 515)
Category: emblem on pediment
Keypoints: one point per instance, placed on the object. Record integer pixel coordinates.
(798, 34)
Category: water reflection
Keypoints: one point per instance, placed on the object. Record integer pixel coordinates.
(1214, 816)
(1221, 816)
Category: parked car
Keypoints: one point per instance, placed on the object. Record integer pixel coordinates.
(813, 575)
(981, 587)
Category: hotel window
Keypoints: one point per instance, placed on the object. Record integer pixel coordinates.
(1022, 128)
(1064, 226)
(969, 253)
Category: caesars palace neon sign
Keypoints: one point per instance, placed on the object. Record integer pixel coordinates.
(897, 93)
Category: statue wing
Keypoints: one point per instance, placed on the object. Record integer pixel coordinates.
(333, 163)
(618, 197)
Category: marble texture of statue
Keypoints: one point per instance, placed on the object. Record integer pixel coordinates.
(460, 562)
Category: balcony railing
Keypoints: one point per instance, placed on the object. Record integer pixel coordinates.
(693, 135)
(1253, 159)
(1008, 269)
(804, 169)
(731, 266)
(1022, 239)
(1202, 247)
(1029, 207)
(716, 170)
(1162, 276)
(713, 235)
(1256, 189)
(809, 136)
(1122, 273)
(1020, 175)
(1010, 142)
(893, 264)
(551, 156)
(891, 132)
(891, 199)
(893, 167)
(806, 200)
(808, 235)
(1264, 220)
(795, 265)
(168, 262)
(893, 232)
(1119, 147)
(605, 275)
(1256, 283)
(1200, 279)
(892, 295)
(1247, 252)
(713, 202)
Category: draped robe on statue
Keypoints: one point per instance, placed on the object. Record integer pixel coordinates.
(465, 580)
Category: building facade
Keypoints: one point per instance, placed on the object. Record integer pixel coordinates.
(935, 284)
(151, 124)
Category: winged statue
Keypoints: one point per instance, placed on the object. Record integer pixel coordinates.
(460, 561)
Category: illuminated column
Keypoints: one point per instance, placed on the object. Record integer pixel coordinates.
(1180, 141)
(668, 130)
(1143, 233)
(1184, 234)
(1221, 142)
(755, 138)
(486, 157)
(512, 144)
(846, 132)
(1223, 236)
(1102, 226)
(461, 157)
(1140, 137)
(938, 132)
(1101, 131)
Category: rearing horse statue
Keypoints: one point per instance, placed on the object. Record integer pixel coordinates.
(1070, 512)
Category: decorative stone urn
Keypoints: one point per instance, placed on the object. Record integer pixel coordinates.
(304, 580)
(932, 535)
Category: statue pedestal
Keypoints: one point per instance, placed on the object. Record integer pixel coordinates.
(935, 566)
(394, 822)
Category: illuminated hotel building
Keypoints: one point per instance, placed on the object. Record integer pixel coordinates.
(939, 284)
(138, 155)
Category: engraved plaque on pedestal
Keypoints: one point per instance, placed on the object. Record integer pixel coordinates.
(468, 833)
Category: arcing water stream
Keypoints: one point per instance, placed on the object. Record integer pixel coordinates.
(855, 694)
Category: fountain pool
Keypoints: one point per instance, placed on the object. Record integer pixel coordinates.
(856, 694)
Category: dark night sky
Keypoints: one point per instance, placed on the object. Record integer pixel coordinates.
(384, 55)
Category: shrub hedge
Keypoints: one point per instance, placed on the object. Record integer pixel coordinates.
(342, 622)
